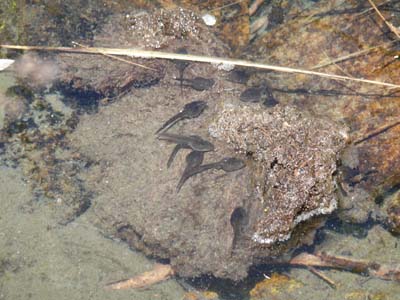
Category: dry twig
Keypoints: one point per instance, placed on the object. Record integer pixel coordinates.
(388, 24)
(225, 6)
(159, 273)
(353, 265)
(352, 55)
(162, 272)
(377, 131)
(254, 6)
(197, 58)
(322, 276)
(117, 58)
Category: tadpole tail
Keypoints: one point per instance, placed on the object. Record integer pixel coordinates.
(173, 154)
(173, 138)
(171, 122)
(185, 176)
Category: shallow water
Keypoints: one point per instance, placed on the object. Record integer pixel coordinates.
(50, 245)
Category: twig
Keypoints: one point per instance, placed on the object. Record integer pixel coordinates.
(377, 131)
(337, 66)
(197, 58)
(225, 6)
(352, 55)
(322, 276)
(371, 8)
(388, 24)
(322, 259)
(254, 6)
(117, 58)
(159, 273)
(259, 24)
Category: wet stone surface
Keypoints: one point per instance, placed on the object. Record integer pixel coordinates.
(372, 171)
(158, 29)
(294, 158)
(216, 210)
(223, 219)
(251, 195)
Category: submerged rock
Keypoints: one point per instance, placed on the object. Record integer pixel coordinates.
(170, 30)
(218, 222)
(294, 157)
(371, 112)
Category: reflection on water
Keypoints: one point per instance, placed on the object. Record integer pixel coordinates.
(80, 162)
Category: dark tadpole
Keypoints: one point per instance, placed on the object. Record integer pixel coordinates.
(252, 94)
(190, 111)
(261, 94)
(228, 164)
(199, 83)
(239, 76)
(232, 164)
(193, 160)
(194, 142)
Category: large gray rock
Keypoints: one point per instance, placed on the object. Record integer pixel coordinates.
(219, 223)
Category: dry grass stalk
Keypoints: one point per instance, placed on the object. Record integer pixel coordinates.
(322, 276)
(253, 7)
(366, 11)
(197, 58)
(118, 58)
(352, 55)
(388, 24)
(227, 5)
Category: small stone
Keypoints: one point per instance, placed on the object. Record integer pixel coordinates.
(209, 20)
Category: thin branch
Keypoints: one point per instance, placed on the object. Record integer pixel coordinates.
(322, 276)
(337, 66)
(371, 8)
(376, 132)
(253, 7)
(117, 58)
(352, 55)
(225, 6)
(388, 24)
(159, 273)
(197, 58)
(321, 259)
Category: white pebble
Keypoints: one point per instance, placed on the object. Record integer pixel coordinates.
(209, 20)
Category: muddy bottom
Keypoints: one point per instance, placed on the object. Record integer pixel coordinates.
(40, 259)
